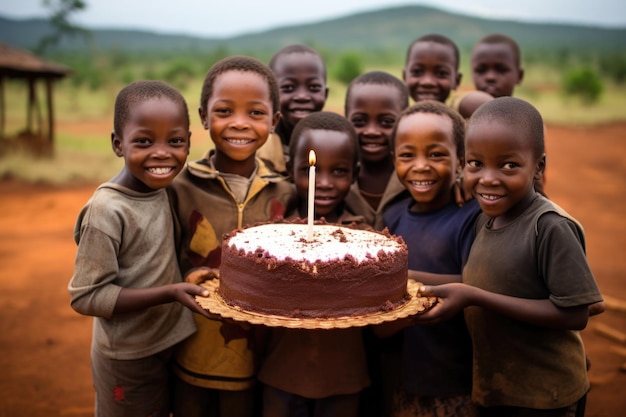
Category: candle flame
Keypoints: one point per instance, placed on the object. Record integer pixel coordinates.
(312, 157)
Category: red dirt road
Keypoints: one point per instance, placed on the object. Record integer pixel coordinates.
(44, 344)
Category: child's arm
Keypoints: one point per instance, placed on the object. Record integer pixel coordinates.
(429, 278)
(134, 299)
(540, 312)
(389, 329)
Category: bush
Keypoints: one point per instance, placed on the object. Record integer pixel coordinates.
(349, 67)
(584, 83)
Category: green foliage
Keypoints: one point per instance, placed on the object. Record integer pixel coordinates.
(61, 10)
(179, 73)
(614, 66)
(348, 67)
(584, 83)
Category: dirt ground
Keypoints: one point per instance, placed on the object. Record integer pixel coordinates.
(44, 344)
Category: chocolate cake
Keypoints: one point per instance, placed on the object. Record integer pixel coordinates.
(275, 269)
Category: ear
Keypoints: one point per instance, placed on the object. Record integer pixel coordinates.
(188, 143)
(521, 75)
(459, 77)
(326, 93)
(404, 74)
(203, 118)
(357, 169)
(540, 168)
(116, 144)
(275, 120)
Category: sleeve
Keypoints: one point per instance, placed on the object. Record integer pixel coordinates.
(92, 288)
(563, 263)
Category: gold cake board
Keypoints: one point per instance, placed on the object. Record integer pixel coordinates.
(216, 305)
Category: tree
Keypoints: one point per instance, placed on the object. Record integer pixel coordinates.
(349, 67)
(584, 83)
(60, 13)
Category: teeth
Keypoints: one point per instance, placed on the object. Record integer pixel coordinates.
(422, 183)
(160, 171)
(239, 141)
(490, 197)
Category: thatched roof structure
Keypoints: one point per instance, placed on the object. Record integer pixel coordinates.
(17, 63)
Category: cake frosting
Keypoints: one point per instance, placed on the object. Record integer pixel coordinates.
(275, 269)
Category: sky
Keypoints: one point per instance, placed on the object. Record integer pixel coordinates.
(208, 18)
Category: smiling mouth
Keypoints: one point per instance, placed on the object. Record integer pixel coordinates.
(160, 170)
(490, 197)
(421, 183)
(239, 141)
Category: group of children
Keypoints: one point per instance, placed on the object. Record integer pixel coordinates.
(508, 265)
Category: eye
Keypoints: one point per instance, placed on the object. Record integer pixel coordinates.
(417, 72)
(340, 172)
(509, 166)
(474, 164)
(222, 110)
(358, 121)
(315, 88)
(480, 69)
(387, 122)
(405, 155)
(178, 141)
(142, 141)
(287, 88)
(443, 73)
(257, 112)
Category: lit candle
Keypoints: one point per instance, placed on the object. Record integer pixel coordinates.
(311, 195)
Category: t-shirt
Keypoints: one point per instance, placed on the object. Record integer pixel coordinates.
(126, 240)
(540, 255)
(437, 359)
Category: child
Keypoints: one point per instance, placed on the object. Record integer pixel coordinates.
(496, 66)
(431, 71)
(301, 75)
(318, 372)
(373, 102)
(496, 70)
(527, 284)
(126, 274)
(436, 365)
(228, 188)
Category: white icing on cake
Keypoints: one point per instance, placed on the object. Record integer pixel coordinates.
(329, 242)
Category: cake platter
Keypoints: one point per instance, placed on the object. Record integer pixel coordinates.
(413, 306)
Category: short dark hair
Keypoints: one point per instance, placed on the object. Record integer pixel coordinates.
(324, 120)
(296, 49)
(140, 91)
(379, 78)
(441, 109)
(239, 63)
(436, 38)
(518, 115)
(494, 38)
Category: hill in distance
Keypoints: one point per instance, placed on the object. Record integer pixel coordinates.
(385, 29)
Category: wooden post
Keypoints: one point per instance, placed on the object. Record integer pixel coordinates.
(50, 102)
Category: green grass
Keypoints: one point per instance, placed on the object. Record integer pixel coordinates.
(89, 158)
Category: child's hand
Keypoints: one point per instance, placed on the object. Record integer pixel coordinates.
(199, 275)
(185, 293)
(461, 194)
(451, 299)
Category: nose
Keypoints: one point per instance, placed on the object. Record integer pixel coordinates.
(323, 180)
(490, 75)
(239, 120)
(489, 177)
(427, 79)
(302, 94)
(371, 129)
(420, 164)
(161, 151)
